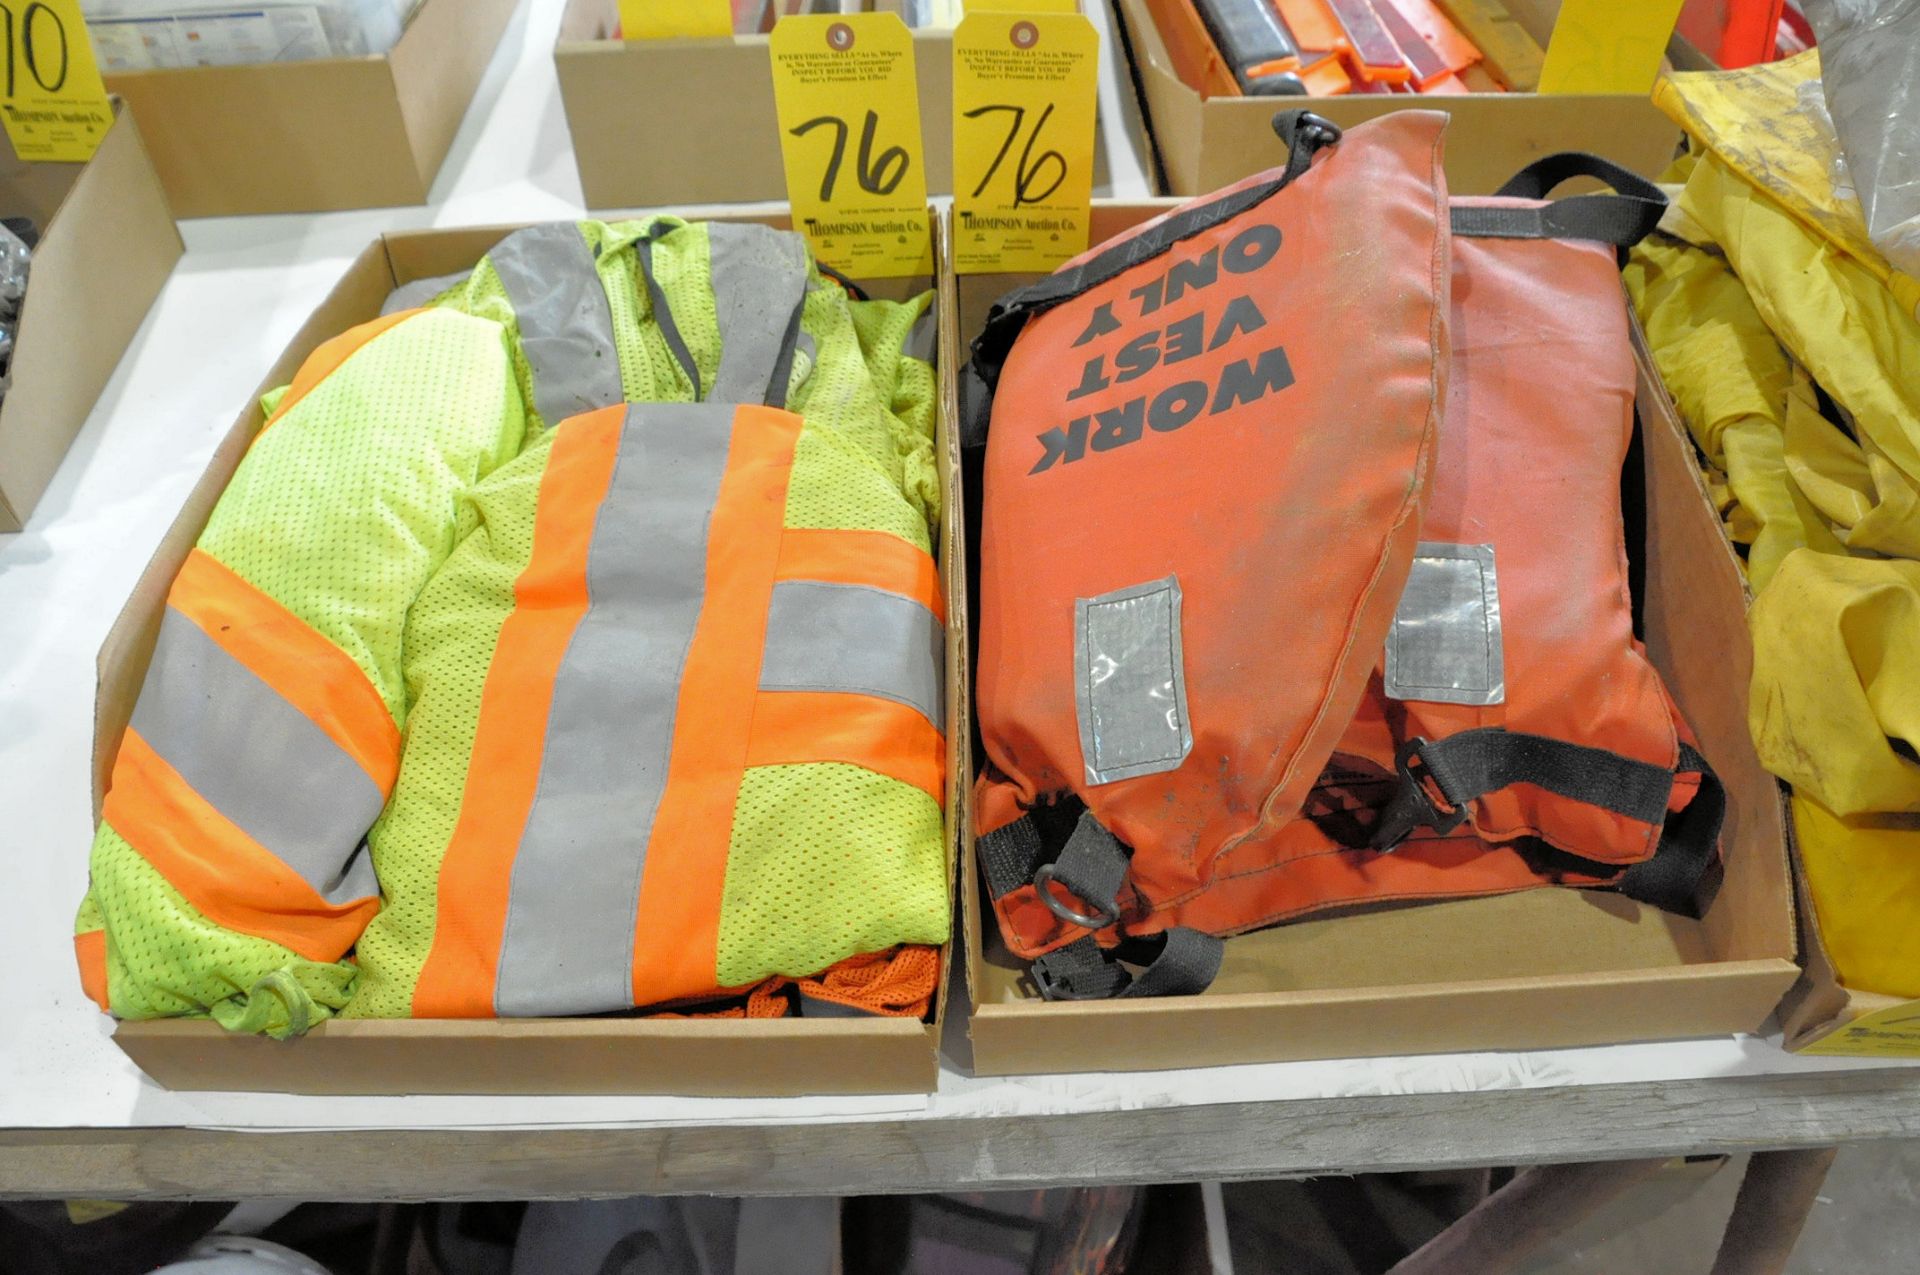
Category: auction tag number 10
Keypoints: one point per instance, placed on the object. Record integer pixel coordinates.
(54, 104)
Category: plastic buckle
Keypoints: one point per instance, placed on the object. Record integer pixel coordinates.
(1105, 980)
(1100, 920)
(1413, 805)
(1320, 130)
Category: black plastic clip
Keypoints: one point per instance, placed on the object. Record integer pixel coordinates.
(1413, 805)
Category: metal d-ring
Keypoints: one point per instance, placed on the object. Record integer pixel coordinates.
(1044, 877)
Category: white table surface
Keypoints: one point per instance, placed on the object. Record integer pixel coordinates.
(243, 288)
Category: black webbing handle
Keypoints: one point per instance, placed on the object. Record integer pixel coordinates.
(1622, 219)
(1303, 133)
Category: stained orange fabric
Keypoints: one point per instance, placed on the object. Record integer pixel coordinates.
(860, 730)
(90, 949)
(878, 559)
(233, 880)
(1208, 414)
(550, 598)
(1527, 460)
(678, 923)
(327, 358)
(288, 654)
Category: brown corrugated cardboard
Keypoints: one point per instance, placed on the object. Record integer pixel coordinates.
(107, 245)
(530, 1056)
(1203, 144)
(1820, 1014)
(1543, 969)
(649, 117)
(323, 135)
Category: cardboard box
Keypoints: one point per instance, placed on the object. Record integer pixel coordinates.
(323, 135)
(1823, 1016)
(1538, 970)
(1203, 144)
(519, 1056)
(662, 122)
(107, 245)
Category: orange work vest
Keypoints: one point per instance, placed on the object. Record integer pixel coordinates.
(1365, 639)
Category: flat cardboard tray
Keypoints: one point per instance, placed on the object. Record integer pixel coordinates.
(725, 1057)
(1205, 143)
(107, 245)
(1539, 970)
(322, 135)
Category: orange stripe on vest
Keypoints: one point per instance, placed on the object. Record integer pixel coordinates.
(879, 559)
(678, 924)
(288, 654)
(90, 950)
(884, 736)
(327, 358)
(550, 597)
(223, 872)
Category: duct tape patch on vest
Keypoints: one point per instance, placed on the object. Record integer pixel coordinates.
(1445, 644)
(1227, 317)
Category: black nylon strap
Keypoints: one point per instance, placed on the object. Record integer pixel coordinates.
(1622, 219)
(1302, 132)
(1689, 846)
(1474, 763)
(1009, 856)
(1181, 961)
(1080, 971)
(1539, 179)
(1091, 867)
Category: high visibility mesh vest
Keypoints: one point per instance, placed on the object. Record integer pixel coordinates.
(568, 644)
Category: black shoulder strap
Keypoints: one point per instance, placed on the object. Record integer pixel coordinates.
(1439, 781)
(1689, 846)
(1303, 134)
(1622, 219)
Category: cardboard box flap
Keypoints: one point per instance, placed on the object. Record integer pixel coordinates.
(107, 245)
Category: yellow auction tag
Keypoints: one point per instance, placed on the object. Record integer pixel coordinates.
(1608, 46)
(675, 19)
(52, 100)
(1024, 87)
(1888, 1033)
(849, 111)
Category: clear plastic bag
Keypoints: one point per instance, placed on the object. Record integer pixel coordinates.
(141, 35)
(1870, 66)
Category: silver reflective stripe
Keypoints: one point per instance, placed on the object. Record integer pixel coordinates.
(854, 639)
(759, 284)
(920, 337)
(1445, 645)
(258, 760)
(411, 296)
(575, 892)
(1130, 685)
(566, 327)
